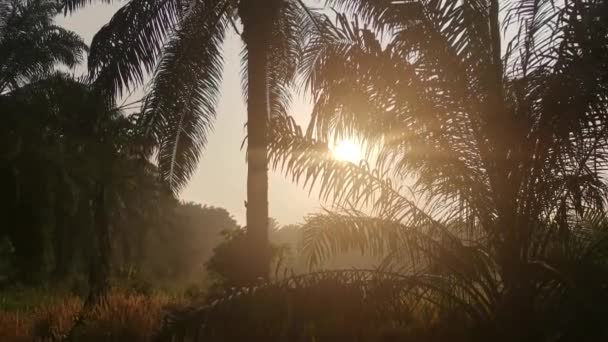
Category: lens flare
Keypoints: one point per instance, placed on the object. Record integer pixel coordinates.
(347, 150)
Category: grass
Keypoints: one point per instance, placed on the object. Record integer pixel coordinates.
(124, 316)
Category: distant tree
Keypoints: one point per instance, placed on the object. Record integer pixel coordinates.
(231, 259)
(180, 249)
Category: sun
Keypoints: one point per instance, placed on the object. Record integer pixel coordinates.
(347, 150)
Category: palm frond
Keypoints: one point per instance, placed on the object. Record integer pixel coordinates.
(180, 107)
(309, 162)
(31, 45)
(70, 6)
(382, 14)
(290, 33)
(127, 47)
(288, 39)
(330, 233)
(375, 300)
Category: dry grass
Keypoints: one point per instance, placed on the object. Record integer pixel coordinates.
(54, 320)
(122, 317)
(15, 326)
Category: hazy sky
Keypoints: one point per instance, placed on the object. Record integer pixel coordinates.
(220, 179)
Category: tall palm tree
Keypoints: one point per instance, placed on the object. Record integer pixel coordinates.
(180, 42)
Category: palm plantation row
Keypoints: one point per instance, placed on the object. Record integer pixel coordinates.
(485, 122)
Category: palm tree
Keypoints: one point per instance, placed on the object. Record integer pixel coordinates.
(486, 190)
(181, 43)
(79, 176)
(505, 148)
(31, 44)
(31, 47)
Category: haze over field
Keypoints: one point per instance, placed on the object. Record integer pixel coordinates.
(458, 150)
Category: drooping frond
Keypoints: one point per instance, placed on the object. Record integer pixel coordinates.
(290, 34)
(463, 265)
(180, 107)
(331, 233)
(382, 14)
(377, 94)
(429, 101)
(293, 27)
(299, 308)
(127, 48)
(73, 5)
(309, 162)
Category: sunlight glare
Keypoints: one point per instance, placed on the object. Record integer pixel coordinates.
(347, 150)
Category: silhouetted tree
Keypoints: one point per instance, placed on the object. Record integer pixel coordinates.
(504, 150)
(77, 172)
(180, 250)
(31, 44)
(487, 191)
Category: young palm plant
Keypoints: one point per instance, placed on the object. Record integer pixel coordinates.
(501, 229)
(505, 148)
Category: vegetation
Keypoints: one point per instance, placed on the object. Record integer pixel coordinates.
(181, 42)
(501, 230)
(483, 192)
(122, 317)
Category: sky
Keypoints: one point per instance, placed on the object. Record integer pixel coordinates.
(220, 179)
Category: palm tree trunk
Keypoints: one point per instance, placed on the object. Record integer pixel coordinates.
(99, 272)
(257, 17)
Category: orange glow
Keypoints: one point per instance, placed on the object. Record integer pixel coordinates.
(347, 150)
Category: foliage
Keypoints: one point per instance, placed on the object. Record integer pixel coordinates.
(32, 152)
(357, 305)
(68, 144)
(64, 140)
(180, 44)
(230, 259)
(504, 155)
(31, 44)
(176, 253)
